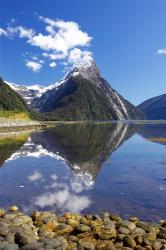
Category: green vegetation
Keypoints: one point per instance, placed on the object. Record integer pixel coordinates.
(80, 100)
(10, 100)
(17, 115)
(33, 115)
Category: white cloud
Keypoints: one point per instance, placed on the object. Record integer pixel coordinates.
(47, 20)
(3, 32)
(35, 58)
(47, 42)
(55, 56)
(50, 30)
(26, 33)
(77, 56)
(62, 40)
(34, 66)
(19, 31)
(52, 64)
(161, 51)
(35, 176)
(62, 36)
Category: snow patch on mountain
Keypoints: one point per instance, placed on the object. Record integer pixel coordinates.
(29, 93)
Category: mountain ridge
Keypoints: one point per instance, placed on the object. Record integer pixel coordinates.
(103, 103)
(155, 107)
(83, 94)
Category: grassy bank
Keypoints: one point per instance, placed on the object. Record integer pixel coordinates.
(25, 116)
(15, 115)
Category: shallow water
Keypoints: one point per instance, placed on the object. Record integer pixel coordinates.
(86, 168)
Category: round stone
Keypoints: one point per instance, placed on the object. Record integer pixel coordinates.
(4, 229)
(123, 230)
(63, 229)
(2, 212)
(157, 245)
(138, 239)
(13, 209)
(83, 228)
(133, 219)
(129, 242)
(139, 231)
(33, 246)
(128, 224)
(87, 245)
(106, 234)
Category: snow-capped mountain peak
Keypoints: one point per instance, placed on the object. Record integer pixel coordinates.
(57, 96)
(87, 68)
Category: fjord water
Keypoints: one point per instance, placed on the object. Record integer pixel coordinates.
(87, 168)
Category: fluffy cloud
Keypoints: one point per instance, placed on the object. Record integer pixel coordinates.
(55, 56)
(3, 32)
(69, 33)
(77, 56)
(52, 64)
(62, 36)
(62, 40)
(161, 51)
(34, 66)
(26, 33)
(19, 31)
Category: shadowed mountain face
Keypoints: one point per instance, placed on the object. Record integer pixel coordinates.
(84, 95)
(154, 108)
(84, 147)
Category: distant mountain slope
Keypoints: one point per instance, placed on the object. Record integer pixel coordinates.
(32, 92)
(9, 99)
(154, 132)
(85, 95)
(154, 108)
(27, 92)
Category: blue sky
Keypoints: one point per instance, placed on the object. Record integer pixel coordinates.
(127, 39)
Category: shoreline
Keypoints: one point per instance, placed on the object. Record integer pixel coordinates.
(9, 125)
(72, 231)
(21, 128)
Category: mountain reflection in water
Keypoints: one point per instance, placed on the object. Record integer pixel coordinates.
(84, 147)
(69, 168)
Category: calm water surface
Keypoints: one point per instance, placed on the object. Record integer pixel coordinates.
(86, 168)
